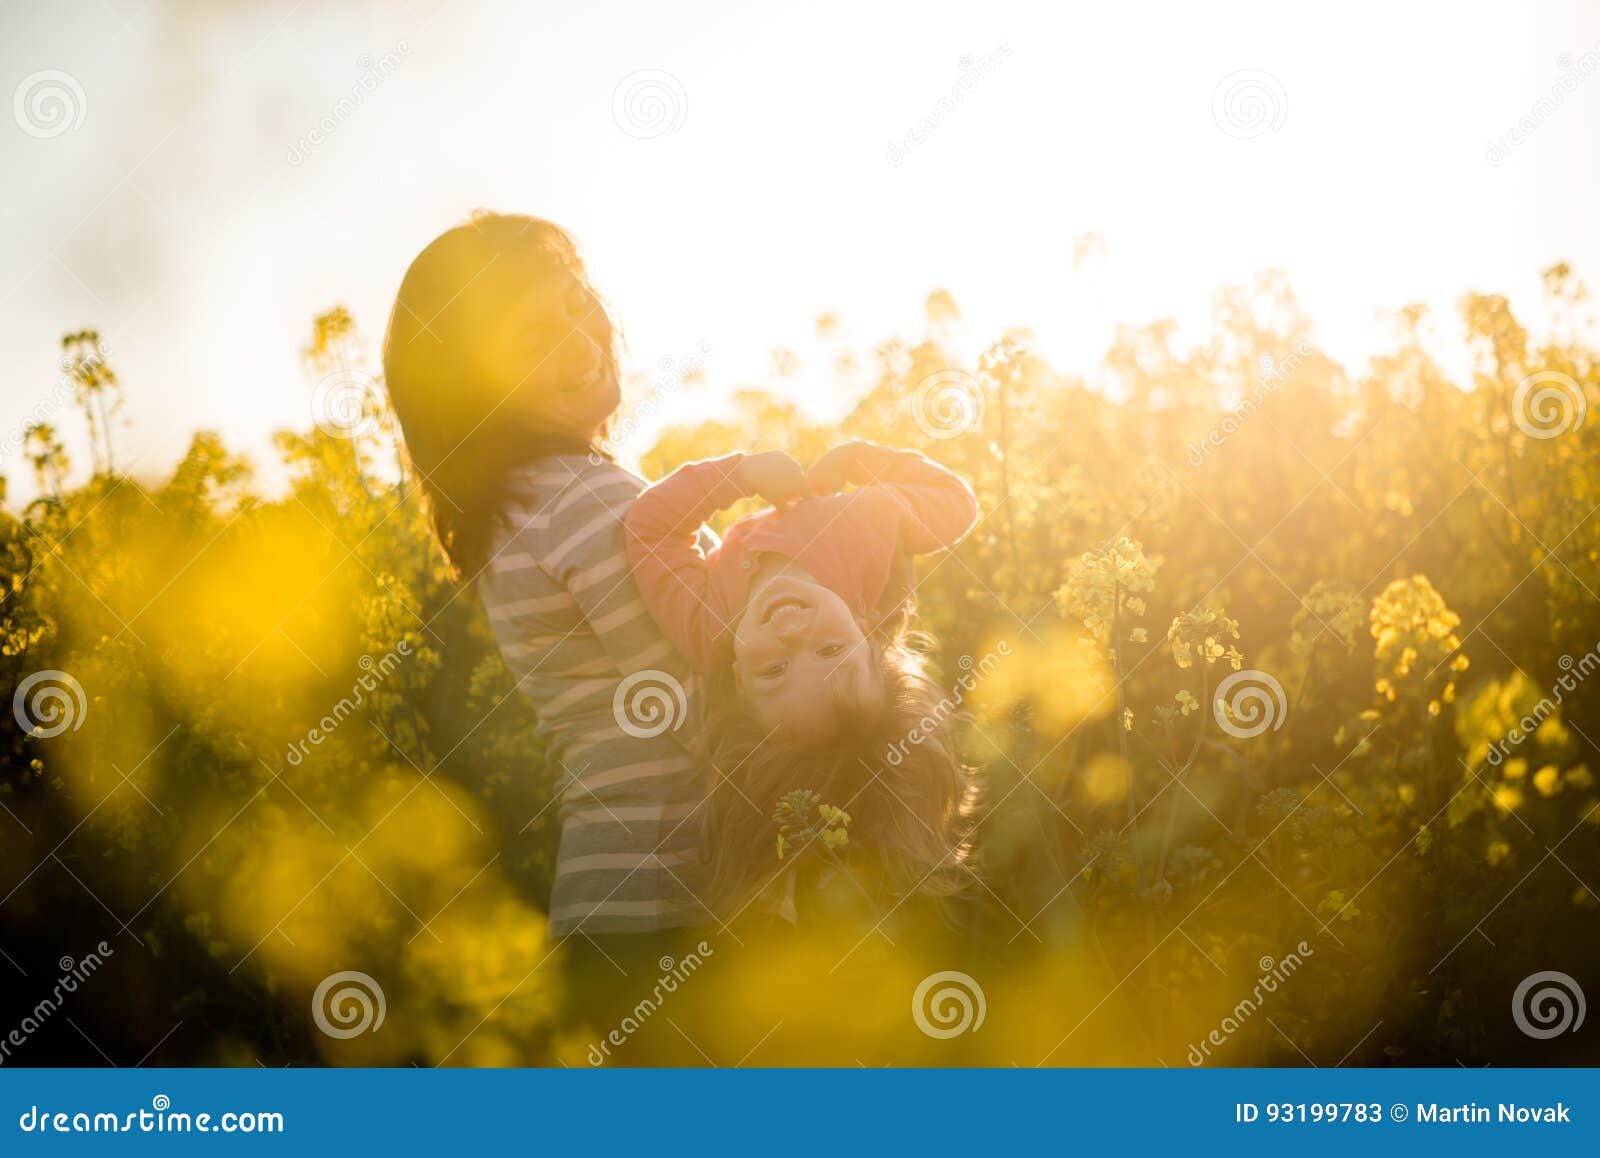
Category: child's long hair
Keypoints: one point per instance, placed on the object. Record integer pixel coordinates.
(902, 783)
(468, 403)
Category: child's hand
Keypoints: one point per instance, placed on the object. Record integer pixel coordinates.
(774, 476)
(841, 466)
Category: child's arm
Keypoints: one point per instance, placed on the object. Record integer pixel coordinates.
(936, 509)
(663, 523)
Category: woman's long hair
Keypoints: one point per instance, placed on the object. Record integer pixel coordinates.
(491, 317)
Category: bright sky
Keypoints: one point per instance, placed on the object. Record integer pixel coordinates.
(173, 218)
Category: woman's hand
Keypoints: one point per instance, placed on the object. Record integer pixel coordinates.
(774, 476)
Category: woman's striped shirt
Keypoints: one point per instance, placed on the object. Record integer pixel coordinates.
(611, 697)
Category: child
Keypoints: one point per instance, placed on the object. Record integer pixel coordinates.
(799, 622)
(501, 364)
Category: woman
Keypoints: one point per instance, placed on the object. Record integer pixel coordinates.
(501, 364)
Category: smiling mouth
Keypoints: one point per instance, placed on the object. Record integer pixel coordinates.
(785, 604)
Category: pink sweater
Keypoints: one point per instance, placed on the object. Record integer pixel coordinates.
(855, 543)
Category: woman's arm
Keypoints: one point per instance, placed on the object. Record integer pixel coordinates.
(575, 539)
(934, 509)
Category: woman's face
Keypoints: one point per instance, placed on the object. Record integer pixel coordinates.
(582, 404)
(552, 361)
(798, 654)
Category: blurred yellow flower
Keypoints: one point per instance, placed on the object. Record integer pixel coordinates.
(1107, 778)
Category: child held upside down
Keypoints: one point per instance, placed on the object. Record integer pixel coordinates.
(800, 622)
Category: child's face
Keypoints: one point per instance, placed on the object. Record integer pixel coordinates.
(798, 653)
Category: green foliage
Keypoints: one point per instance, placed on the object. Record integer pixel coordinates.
(1355, 538)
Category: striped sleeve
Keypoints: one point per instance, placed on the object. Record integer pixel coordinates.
(584, 552)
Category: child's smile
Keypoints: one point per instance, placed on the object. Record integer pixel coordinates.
(799, 652)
